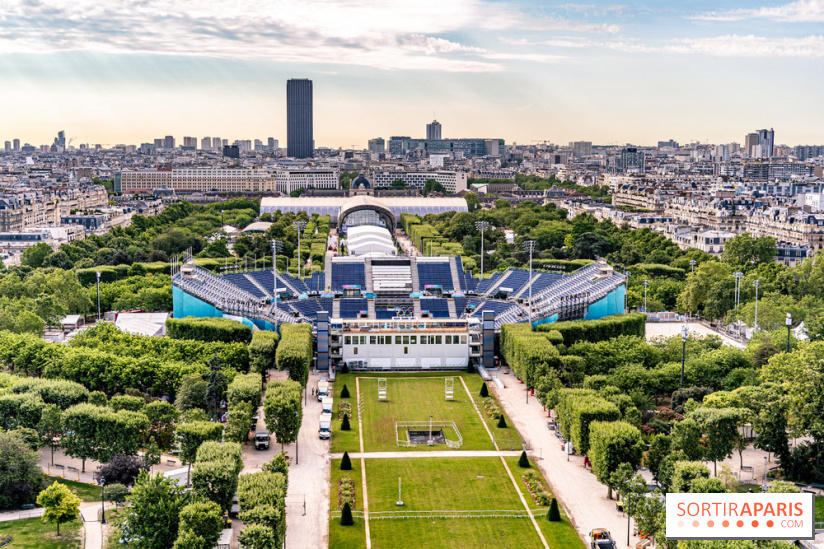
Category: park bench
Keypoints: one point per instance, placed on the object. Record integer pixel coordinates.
(747, 468)
(73, 469)
(59, 466)
(171, 462)
(27, 506)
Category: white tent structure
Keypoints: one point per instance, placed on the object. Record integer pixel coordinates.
(369, 240)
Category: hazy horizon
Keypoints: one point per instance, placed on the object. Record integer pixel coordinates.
(129, 72)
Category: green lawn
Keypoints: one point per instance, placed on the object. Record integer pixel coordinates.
(819, 509)
(415, 399)
(557, 534)
(33, 533)
(455, 533)
(86, 492)
(346, 537)
(345, 441)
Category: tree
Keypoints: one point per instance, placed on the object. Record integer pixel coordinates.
(283, 410)
(98, 398)
(35, 256)
(686, 437)
(484, 390)
(344, 393)
(60, 504)
(257, 536)
(215, 387)
(591, 245)
(720, 428)
(707, 486)
(20, 475)
(116, 493)
(706, 287)
(783, 487)
(151, 454)
(162, 422)
(192, 435)
(344, 425)
(523, 461)
(685, 473)
(501, 422)
(346, 515)
(200, 525)
(612, 444)
(553, 515)
(191, 393)
(50, 427)
(122, 469)
(154, 516)
(430, 185)
(747, 251)
(278, 464)
(237, 427)
(345, 462)
(216, 480)
(659, 449)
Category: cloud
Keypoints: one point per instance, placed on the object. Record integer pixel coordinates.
(384, 34)
(801, 11)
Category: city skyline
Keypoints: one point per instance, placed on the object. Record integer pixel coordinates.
(522, 71)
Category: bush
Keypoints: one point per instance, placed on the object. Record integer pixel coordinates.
(554, 514)
(484, 390)
(681, 396)
(345, 462)
(116, 493)
(344, 393)
(295, 351)
(208, 329)
(599, 330)
(122, 402)
(344, 425)
(122, 469)
(244, 388)
(523, 461)
(262, 351)
(501, 422)
(21, 478)
(576, 409)
(346, 515)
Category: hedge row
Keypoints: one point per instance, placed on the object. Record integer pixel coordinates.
(262, 351)
(576, 409)
(295, 351)
(245, 388)
(215, 472)
(262, 501)
(529, 354)
(599, 330)
(208, 329)
(107, 337)
(112, 273)
(656, 270)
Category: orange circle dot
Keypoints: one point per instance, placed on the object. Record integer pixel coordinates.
(770, 524)
(755, 524)
(725, 523)
(740, 523)
(710, 523)
(695, 524)
(680, 523)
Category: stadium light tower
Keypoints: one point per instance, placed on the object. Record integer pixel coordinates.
(738, 276)
(529, 246)
(692, 265)
(756, 283)
(299, 226)
(646, 285)
(482, 226)
(277, 246)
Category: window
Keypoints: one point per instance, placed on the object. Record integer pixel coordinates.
(406, 340)
(406, 350)
(413, 340)
(448, 339)
(423, 340)
(348, 340)
(438, 340)
(373, 340)
(463, 340)
(397, 340)
(355, 351)
(363, 340)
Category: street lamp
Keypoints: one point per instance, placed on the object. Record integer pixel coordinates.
(299, 226)
(738, 276)
(277, 245)
(98, 295)
(692, 265)
(756, 283)
(529, 246)
(482, 226)
(646, 285)
(626, 293)
(297, 436)
(222, 223)
(685, 333)
(566, 446)
(102, 500)
(789, 322)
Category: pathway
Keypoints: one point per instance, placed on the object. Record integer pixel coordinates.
(583, 497)
(433, 454)
(670, 329)
(91, 524)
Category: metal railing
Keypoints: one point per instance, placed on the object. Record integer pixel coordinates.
(448, 514)
(423, 426)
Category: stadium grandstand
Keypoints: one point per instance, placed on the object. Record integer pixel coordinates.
(374, 309)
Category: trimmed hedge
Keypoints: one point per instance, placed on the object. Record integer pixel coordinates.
(262, 351)
(576, 409)
(208, 329)
(612, 444)
(656, 270)
(244, 388)
(295, 351)
(599, 330)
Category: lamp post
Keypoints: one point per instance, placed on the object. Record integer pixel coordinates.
(276, 247)
(646, 285)
(566, 446)
(529, 246)
(222, 223)
(685, 333)
(98, 295)
(482, 226)
(738, 276)
(102, 501)
(626, 293)
(756, 283)
(692, 265)
(789, 322)
(299, 226)
(297, 454)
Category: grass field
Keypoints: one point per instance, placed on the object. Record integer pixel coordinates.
(86, 492)
(346, 537)
(33, 533)
(819, 509)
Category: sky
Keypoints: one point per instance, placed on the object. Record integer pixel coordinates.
(130, 71)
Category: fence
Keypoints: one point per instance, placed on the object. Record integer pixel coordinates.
(475, 514)
(423, 426)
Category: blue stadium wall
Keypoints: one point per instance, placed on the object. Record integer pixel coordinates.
(188, 305)
(610, 304)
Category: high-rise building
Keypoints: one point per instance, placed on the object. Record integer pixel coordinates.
(433, 130)
(671, 144)
(272, 144)
(582, 148)
(169, 142)
(205, 143)
(216, 143)
(224, 142)
(299, 129)
(60, 140)
(158, 143)
(630, 161)
(7, 148)
(259, 145)
(766, 138)
(750, 141)
(377, 145)
(231, 152)
(16, 143)
(722, 153)
(189, 143)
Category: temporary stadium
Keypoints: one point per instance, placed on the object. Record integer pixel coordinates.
(372, 309)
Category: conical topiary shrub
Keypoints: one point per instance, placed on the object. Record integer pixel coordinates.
(502, 422)
(345, 462)
(346, 515)
(344, 425)
(523, 461)
(484, 390)
(344, 393)
(553, 515)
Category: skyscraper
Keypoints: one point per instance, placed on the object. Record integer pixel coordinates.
(16, 144)
(206, 143)
(169, 142)
(7, 147)
(189, 143)
(273, 144)
(216, 143)
(60, 140)
(299, 136)
(750, 141)
(433, 130)
(766, 138)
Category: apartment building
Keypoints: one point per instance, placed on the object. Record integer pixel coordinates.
(453, 182)
(191, 179)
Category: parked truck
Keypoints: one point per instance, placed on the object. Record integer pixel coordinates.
(327, 405)
(261, 440)
(323, 390)
(600, 538)
(325, 426)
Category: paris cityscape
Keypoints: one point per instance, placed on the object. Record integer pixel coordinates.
(571, 256)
